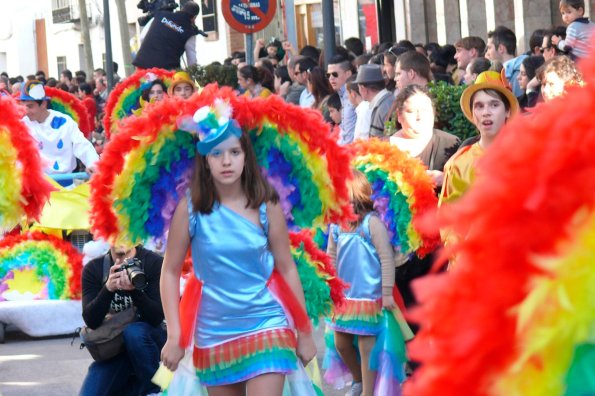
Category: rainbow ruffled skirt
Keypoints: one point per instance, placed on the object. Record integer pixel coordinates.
(271, 351)
(361, 317)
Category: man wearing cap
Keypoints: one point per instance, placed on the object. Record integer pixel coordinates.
(59, 139)
(488, 104)
(372, 88)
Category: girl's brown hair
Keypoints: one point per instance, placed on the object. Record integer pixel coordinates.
(257, 189)
(360, 193)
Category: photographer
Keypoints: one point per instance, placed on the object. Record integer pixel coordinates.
(118, 281)
(168, 35)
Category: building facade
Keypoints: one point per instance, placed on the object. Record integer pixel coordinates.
(424, 21)
(46, 35)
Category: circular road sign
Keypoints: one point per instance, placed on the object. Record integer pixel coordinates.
(249, 16)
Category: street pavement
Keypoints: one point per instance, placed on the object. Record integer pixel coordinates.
(50, 366)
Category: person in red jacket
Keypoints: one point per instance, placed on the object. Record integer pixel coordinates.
(85, 93)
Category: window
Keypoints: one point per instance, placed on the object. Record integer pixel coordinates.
(209, 15)
(57, 4)
(61, 11)
(61, 64)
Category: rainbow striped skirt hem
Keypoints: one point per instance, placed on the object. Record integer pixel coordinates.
(361, 317)
(271, 351)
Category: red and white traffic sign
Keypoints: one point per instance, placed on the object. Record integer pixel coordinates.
(249, 16)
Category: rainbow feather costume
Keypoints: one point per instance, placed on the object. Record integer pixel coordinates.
(149, 163)
(66, 103)
(402, 193)
(22, 194)
(38, 266)
(126, 96)
(516, 316)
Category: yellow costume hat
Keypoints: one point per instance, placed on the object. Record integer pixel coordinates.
(489, 80)
(179, 78)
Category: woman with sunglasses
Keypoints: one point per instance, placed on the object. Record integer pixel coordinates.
(320, 88)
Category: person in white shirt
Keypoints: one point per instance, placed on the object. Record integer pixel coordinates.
(302, 68)
(59, 139)
(362, 111)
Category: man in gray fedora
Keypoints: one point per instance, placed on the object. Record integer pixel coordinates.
(372, 88)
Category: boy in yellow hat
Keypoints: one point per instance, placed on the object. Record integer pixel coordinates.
(488, 104)
(182, 86)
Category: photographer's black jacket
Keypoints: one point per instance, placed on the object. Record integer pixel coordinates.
(164, 43)
(97, 299)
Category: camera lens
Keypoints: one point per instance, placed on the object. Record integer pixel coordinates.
(138, 279)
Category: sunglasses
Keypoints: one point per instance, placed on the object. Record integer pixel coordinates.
(392, 50)
(334, 74)
(543, 49)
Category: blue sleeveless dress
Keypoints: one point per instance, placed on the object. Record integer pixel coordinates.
(241, 329)
(358, 265)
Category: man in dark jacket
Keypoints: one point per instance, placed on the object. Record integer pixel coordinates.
(167, 36)
(106, 288)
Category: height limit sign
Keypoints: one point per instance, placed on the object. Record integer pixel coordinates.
(249, 16)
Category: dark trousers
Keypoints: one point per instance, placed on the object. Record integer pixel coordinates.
(130, 372)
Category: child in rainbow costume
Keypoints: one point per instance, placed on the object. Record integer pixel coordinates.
(243, 306)
(243, 332)
(388, 191)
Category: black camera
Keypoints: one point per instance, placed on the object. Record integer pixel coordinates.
(151, 6)
(135, 273)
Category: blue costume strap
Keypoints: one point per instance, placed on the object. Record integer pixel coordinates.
(365, 228)
(334, 232)
(191, 214)
(264, 221)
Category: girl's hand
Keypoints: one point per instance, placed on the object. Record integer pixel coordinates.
(555, 39)
(306, 348)
(284, 90)
(388, 302)
(171, 354)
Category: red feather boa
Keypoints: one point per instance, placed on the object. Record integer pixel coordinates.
(532, 183)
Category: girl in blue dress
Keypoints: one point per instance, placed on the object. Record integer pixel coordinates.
(364, 258)
(231, 218)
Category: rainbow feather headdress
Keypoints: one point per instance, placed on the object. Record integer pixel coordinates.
(402, 193)
(516, 315)
(23, 187)
(126, 96)
(38, 266)
(146, 168)
(66, 103)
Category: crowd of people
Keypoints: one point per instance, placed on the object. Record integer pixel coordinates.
(357, 92)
